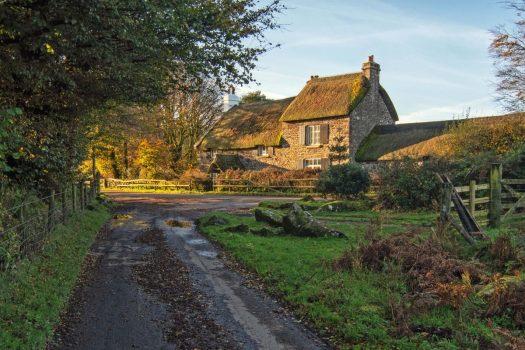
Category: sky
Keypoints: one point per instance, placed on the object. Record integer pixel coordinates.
(433, 54)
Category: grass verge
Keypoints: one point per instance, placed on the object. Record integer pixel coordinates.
(34, 293)
(358, 308)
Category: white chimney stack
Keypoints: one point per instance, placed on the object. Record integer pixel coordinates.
(230, 100)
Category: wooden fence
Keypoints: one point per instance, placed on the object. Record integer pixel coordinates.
(27, 225)
(496, 201)
(219, 185)
(269, 185)
(147, 184)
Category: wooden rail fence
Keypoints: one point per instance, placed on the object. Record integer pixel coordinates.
(221, 185)
(496, 201)
(146, 184)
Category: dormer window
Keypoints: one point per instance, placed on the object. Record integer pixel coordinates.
(312, 135)
(262, 151)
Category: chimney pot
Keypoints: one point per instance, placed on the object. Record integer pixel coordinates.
(371, 71)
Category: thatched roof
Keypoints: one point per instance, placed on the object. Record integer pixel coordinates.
(441, 146)
(327, 97)
(385, 139)
(417, 140)
(247, 126)
(332, 96)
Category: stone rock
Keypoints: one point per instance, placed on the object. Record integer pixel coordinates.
(241, 228)
(268, 216)
(210, 221)
(299, 222)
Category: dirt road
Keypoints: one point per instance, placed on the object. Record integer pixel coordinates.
(155, 286)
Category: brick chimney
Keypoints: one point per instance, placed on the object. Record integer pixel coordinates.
(371, 71)
(230, 99)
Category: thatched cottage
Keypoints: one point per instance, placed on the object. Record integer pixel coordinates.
(296, 132)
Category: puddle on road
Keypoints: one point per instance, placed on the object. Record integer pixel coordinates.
(197, 241)
(207, 254)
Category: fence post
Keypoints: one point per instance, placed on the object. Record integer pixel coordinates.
(495, 195)
(51, 212)
(446, 199)
(97, 184)
(92, 189)
(74, 197)
(81, 194)
(472, 197)
(86, 193)
(64, 206)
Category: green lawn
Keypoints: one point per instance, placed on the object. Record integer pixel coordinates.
(353, 308)
(34, 293)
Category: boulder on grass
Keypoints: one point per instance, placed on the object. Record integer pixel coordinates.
(269, 216)
(299, 222)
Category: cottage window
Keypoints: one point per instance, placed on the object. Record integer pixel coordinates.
(313, 135)
(314, 163)
(262, 151)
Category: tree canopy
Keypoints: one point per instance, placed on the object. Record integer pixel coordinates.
(62, 62)
(255, 96)
(508, 51)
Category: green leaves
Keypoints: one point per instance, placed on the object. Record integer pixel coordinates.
(65, 60)
(9, 138)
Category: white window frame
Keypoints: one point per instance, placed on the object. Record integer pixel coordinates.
(312, 135)
(262, 151)
(312, 163)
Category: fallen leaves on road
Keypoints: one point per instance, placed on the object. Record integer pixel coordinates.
(166, 277)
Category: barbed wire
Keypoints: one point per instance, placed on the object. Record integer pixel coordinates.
(58, 208)
(36, 200)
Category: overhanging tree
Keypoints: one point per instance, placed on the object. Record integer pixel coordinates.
(61, 61)
(508, 51)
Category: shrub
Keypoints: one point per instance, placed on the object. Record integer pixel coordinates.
(409, 184)
(344, 180)
(201, 180)
(500, 135)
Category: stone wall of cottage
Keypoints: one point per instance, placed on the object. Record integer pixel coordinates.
(291, 151)
(371, 111)
(289, 154)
